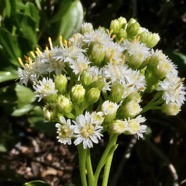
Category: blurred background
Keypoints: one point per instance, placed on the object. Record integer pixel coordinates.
(28, 146)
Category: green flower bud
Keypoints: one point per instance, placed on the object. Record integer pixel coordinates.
(60, 83)
(130, 109)
(99, 83)
(77, 94)
(116, 92)
(122, 33)
(150, 39)
(50, 112)
(64, 104)
(115, 26)
(136, 60)
(118, 127)
(133, 27)
(86, 27)
(93, 95)
(135, 96)
(86, 78)
(159, 64)
(170, 109)
(122, 22)
(97, 54)
(109, 110)
(50, 98)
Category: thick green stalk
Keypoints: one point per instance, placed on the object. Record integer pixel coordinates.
(89, 169)
(111, 146)
(82, 162)
(107, 168)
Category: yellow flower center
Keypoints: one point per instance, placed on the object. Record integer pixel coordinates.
(87, 130)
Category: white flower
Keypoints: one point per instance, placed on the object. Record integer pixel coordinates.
(109, 108)
(80, 64)
(119, 126)
(136, 48)
(116, 73)
(87, 130)
(114, 53)
(45, 88)
(97, 36)
(134, 126)
(26, 74)
(173, 90)
(131, 80)
(64, 131)
(56, 60)
(86, 27)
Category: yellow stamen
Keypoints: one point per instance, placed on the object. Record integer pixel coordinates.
(32, 54)
(121, 40)
(38, 51)
(65, 44)
(110, 32)
(61, 41)
(50, 55)
(47, 49)
(68, 42)
(123, 59)
(50, 43)
(113, 36)
(20, 61)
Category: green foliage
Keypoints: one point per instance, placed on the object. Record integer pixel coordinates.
(36, 183)
(25, 25)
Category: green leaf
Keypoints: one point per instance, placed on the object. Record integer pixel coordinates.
(6, 11)
(67, 20)
(29, 30)
(180, 60)
(36, 183)
(32, 12)
(21, 111)
(24, 95)
(25, 98)
(8, 75)
(9, 48)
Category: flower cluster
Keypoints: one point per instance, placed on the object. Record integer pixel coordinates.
(103, 80)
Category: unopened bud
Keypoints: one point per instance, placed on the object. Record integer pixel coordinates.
(122, 22)
(150, 39)
(50, 112)
(64, 105)
(109, 110)
(122, 33)
(98, 54)
(77, 94)
(60, 83)
(170, 109)
(86, 78)
(118, 127)
(131, 109)
(93, 95)
(86, 27)
(115, 26)
(116, 92)
(133, 27)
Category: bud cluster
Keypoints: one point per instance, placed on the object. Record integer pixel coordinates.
(99, 79)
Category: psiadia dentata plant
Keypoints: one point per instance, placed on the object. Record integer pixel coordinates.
(96, 82)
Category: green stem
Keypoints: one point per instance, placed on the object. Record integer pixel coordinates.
(107, 170)
(111, 144)
(89, 169)
(82, 161)
(153, 104)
